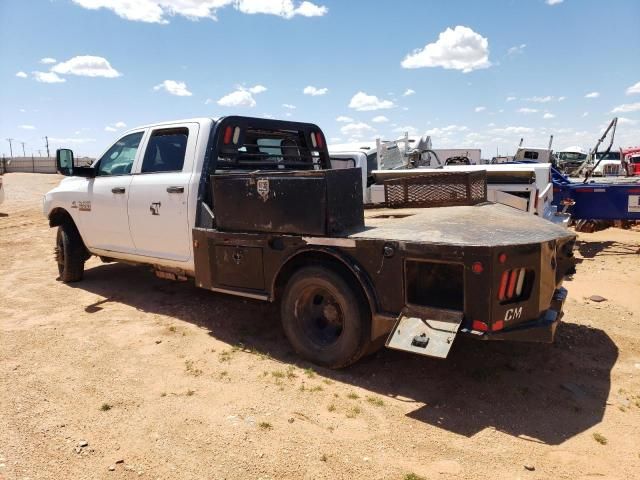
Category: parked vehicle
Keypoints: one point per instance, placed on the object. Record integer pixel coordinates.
(250, 207)
(630, 158)
(570, 159)
(598, 204)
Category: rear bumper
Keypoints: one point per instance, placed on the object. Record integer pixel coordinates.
(541, 330)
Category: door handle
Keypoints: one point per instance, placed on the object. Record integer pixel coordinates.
(117, 190)
(175, 189)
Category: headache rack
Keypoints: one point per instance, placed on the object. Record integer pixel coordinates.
(436, 189)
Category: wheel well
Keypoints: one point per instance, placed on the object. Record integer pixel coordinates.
(59, 216)
(327, 260)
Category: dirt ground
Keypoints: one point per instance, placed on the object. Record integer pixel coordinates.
(124, 375)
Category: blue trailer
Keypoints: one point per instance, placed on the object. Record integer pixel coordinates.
(618, 199)
(597, 200)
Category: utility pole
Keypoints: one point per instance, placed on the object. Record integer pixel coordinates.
(46, 139)
(10, 147)
(23, 154)
(39, 152)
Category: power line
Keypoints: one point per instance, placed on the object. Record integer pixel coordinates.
(10, 147)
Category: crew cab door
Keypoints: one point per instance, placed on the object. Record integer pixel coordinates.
(159, 193)
(103, 213)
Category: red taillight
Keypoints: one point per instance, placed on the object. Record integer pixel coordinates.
(499, 325)
(502, 291)
(513, 279)
(476, 267)
(228, 132)
(502, 257)
(512, 284)
(319, 140)
(480, 326)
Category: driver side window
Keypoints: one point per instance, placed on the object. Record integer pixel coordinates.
(118, 160)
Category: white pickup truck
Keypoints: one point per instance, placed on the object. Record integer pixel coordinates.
(251, 207)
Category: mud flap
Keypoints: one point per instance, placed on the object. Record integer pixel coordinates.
(432, 338)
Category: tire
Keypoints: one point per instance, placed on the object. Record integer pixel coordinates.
(325, 319)
(70, 253)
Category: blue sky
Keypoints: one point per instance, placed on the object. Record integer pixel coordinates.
(475, 74)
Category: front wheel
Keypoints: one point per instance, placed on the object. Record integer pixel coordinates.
(70, 254)
(325, 319)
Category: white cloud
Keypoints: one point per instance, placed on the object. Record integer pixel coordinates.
(408, 92)
(27, 127)
(48, 60)
(242, 97)
(257, 89)
(627, 107)
(380, 119)
(517, 49)
(562, 99)
(21, 74)
(479, 109)
(174, 88)
(281, 8)
(585, 114)
(441, 132)
(626, 121)
(115, 126)
(458, 48)
(554, 2)
(239, 98)
(48, 77)
(86, 66)
(314, 92)
(527, 110)
(409, 129)
(344, 119)
(157, 11)
(357, 129)
(366, 103)
(592, 95)
(548, 116)
(511, 99)
(633, 89)
(511, 130)
(545, 99)
(289, 106)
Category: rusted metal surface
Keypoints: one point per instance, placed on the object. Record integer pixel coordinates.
(480, 225)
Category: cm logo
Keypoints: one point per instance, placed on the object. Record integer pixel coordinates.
(513, 314)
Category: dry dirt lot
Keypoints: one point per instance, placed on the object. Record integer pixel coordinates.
(162, 380)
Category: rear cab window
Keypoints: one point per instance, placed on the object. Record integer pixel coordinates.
(269, 145)
(166, 150)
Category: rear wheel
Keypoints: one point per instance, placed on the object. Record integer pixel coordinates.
(325, 318)
(70, 253)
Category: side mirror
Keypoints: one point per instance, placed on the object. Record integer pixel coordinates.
(65, 165)
(64, 162)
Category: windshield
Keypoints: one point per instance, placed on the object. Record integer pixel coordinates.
(608, 156)
(572, 156)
